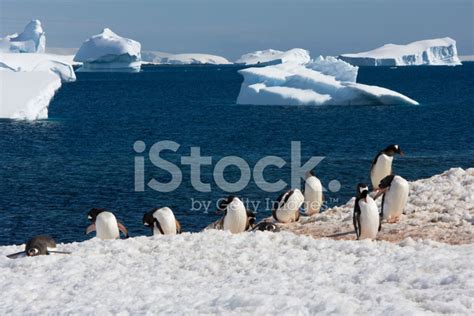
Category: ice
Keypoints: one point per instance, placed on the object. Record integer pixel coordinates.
(440, 51)
(320, 82)
(273, 57)
(152, 57)
(28, 82)
(109, 52)
(31, 40)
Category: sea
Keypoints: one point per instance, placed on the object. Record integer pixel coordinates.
(94, 149)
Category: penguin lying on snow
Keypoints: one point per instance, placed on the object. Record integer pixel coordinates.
(266, 226)
(37, 246)
(286, 208)
(366, 217)
(395, 191)
(313, 194)
(382, 164)
(105, 224)
(236, 217)
(162, 222)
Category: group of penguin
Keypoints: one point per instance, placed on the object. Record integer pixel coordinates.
(237, 218)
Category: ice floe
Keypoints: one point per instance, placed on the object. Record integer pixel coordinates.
(31, 40)
(272, 57)
(155, 57)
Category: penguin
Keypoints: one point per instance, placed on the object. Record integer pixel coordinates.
(105, 224)
(382, 164)
(286, 208)
(38, 246)
(366, 217)
(236, 217)
(266, 226)
(313, 194)
(395, 191)
(162, 222)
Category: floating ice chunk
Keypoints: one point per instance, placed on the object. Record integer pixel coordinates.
(440, 51)
(109, 52)
(183, 59)
(31, 40)
(337, 68)
(273, 57)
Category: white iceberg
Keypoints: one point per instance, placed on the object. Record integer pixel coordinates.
(109, 52)
(28, 82)
(440, 51)
(152, 57)
(31, 40)
(325, 81)
(273, 57)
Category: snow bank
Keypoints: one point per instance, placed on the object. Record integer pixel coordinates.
(441, 51)
(31, 40)
(28, 82)
(440, 208)
(183, 59)
(273, 57)
(324, 81)
(109, 52)
(215, 272)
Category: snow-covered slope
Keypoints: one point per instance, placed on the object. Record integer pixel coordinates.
(109, 52)
(182, 59)
(273, 57)
(322, 82)
(31, 40)
(441, 51)
(28, 82)
(215, 272)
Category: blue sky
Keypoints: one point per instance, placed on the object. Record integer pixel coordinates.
(231, 28)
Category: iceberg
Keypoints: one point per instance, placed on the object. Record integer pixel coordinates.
(28, 82)
(273, 57)
(109, 52)
(324, 81)
(441, 51)
(151, 57)
(31, 40)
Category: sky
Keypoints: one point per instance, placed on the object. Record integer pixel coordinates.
(231, 28)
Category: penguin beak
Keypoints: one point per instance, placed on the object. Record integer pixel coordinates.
(90, 229)
(379, 192)
(402, 153)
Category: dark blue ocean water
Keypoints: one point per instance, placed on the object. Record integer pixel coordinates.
(52, 172)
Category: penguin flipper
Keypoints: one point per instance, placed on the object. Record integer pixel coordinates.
(17, 255)
(123, 229)
(356, 218)
(90, 228)
(178, 227)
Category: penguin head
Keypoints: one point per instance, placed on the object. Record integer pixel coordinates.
(31, 252)
(94, 212)
(386, 182)
(309, 174)
(361, 188)
(148, 219)
(223, 203)
(393, 149)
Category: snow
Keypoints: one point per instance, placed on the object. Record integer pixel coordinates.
(215, 272)
(31, 40)
(108, 51)
(272, 57)
(324, 81)
(28, 82)
(152, 57)
(440, 51)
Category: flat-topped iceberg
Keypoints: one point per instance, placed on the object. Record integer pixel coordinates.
(31, 40)
(29, 82)
(273, 57)
(324, 81)
(109, 52)
(441, 51)
(183, 59)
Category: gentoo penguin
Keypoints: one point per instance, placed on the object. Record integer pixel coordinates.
(105, 224)
(382, 164)
(366, 217)
(266, 226)
(313, 194)
(286, 208)
(236, 217)
(395, 196)
(162, 221)
(37, 246)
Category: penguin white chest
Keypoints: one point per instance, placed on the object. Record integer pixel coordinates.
(106, 226)
(369, 219)
(381, 169)
(395, 199)
(313, 195)
(167, 221)
(288, 212)
(235, 219)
